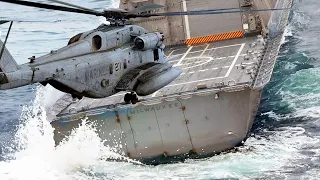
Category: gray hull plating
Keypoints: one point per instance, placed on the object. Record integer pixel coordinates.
(204, 122)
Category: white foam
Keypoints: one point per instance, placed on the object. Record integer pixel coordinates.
(34, 155)
(115, 3)
(273, 115)
(288, 31)
(313, 112)
(52, 95)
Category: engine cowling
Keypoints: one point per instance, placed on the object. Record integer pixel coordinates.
(148, 41)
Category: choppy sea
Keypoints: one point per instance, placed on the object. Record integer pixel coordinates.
(284, 141)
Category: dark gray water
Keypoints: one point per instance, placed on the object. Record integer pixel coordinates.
(285, 137)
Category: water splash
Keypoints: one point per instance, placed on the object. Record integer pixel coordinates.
(84, 156)
(33, 154)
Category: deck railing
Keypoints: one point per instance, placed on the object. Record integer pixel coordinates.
(276, 27)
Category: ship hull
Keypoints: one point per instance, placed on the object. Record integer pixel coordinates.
(208, 109)
(203, 123)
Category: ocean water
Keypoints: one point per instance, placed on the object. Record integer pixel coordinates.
(284, 141)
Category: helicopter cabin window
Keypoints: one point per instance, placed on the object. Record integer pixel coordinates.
(75, 38)
(96, 42)
(111, 68)
(124, 64)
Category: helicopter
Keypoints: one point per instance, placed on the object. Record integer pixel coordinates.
(101, 62)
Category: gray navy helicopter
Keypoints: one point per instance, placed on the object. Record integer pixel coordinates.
(103, 61)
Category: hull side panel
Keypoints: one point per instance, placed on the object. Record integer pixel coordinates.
(200, 123)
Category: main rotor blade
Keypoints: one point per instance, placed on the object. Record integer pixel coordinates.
(123, 15)
(51, 7)
(204, 12)
(5, 20)
(73, 5)
(219, 9)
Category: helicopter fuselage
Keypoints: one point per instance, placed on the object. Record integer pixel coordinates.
(100, 63)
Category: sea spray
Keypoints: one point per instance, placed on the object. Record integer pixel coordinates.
(35, 156)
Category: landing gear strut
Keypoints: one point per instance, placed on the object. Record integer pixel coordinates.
(130, 97)
(76, 97)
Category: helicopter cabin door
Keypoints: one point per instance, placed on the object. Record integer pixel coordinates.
(156, 54)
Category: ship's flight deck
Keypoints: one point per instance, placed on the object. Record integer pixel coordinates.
(213, 65)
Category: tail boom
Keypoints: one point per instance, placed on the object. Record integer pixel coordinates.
(15, 79)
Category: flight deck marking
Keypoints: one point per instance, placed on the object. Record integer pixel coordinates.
(220, 47)
(246, 63)
(205, 50)
(211, 52)
(170, 53)
(203, 70)
(196, 65)
(216, 68)
(235, 60)
(196, 81)
(184, 55)
(219, 58)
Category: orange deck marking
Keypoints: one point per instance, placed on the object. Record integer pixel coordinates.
(216, 37)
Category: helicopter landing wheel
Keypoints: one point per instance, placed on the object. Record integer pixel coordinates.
(76, 97)
(134, 98)
(127, 98)
(130, 98)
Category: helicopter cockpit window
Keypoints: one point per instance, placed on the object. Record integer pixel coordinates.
(75, 38)
(96, 42)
